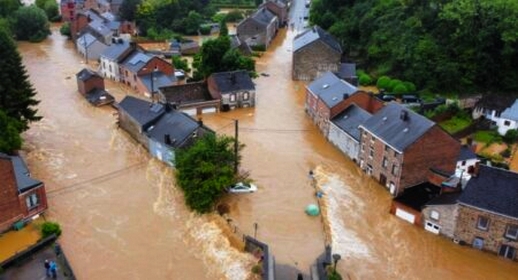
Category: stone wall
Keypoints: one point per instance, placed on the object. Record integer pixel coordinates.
(447, 218)
(493, 237)
(311, 59)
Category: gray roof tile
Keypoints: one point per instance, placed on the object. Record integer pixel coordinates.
(23, 179)
(494, 190)
(399, 133)
(142, 111)
(466, 153)
(511, 113)
(136, 61)
(350, 119)
(331, 89)
(177, 125)
(233, 81)
(116, 50)
(313, 34)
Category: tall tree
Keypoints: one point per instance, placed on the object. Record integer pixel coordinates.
(205, 169)
(31, 24)
(16, 93)
(8, 7)
(128, 9)
(10, 139)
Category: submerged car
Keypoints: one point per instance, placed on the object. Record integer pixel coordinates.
(242, 187)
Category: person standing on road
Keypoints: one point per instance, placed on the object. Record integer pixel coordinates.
(53, 269)
(47, 268)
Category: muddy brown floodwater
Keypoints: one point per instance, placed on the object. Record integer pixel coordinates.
(123, 218)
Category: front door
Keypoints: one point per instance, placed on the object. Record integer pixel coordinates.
(507, 251)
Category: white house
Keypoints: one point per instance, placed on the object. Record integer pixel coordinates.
(344, 132)
(89, 47)
(508, 119)
(111, 57)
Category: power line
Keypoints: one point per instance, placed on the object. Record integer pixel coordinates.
(99, 179)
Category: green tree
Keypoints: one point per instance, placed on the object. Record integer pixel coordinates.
(16, 92)
(128, 9)
(10, 139)
(51, 8)
(383, 82)
(31, 24)
(223, 29)
(511, 136)
(8, 7)
(205, 169)
(180, 63)
(209, 57)
(65, 30)
(192, 23)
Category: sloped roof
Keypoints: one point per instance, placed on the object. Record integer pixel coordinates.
(116, 50)
(494, 190)
(350, 119)
(263, 16)
(177, 125)
(159, 80)
(418, 196)
(445, 199)
(331, 89)
(233, 81)
(388, 126)
(99, 97)
(99, 27)
(186, 93)
(511, 113)
(347, 70)
(21, 172)
(86, 40)
(313, 34)
(466, 153)
(142, 111)
(136, 61)
(85, 74)
(497, 102)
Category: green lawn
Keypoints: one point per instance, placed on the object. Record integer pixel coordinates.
(486, 136)
(455, 124)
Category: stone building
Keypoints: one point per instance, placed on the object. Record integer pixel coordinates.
(258, 29)
(235, 89)
(315, 52)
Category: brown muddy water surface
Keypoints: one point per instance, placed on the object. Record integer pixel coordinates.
(123, 218)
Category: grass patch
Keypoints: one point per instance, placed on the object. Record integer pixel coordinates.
(487, 136)
(455, 124)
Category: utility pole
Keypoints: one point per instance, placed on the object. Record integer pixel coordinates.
(236, 145)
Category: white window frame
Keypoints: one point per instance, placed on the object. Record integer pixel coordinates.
(512, 235)
(32, 200)
(434, 215)
(480, 224)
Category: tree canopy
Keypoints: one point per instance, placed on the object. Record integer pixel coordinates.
(10, 139)
(442, 45)
(16, 93)
(205, 169)
(216, 55)
(31, 24)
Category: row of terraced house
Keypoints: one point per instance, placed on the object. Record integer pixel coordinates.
(436, 182)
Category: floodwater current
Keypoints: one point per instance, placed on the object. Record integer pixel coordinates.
(123, 217)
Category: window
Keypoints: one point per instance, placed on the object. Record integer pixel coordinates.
(363, 148)
(110, 67)
(395, 154)
(373, 139)
(232, 98)
(507, 123)
(104, 65)
(246, 95)
(387, 148)
(32, 201)
(434, 215)
(463, 163)
(395, 169)
(511, 232)
(384, 164)
(371, 152)
(483, 223)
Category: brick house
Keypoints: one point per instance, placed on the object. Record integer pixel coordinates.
(235, 89)
(488, 212)
(279, 9)
(325, 98)
(314, 52)
(258, 29)
(21, 197)
(68, 10)
(398, 147)
(91, 86)
(145, 73)
(190, 98)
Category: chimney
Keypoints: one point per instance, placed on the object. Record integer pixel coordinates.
(167, 139)
(404, 115)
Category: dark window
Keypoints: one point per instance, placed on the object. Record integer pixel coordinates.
(483, 223)
(384, 164)
(511, 232)
(395, 169)
(387, 148)
(507, 123)
(463, 163)
(371, 153)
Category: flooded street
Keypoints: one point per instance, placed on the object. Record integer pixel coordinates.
(123, 218)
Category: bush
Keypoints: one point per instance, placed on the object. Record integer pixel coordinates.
(365, 80)
(410, 87)
(511, 136)
(399, 88)
(49, 228)
(383, 82)
(65, 30)
(234, 16)
(205, 29)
